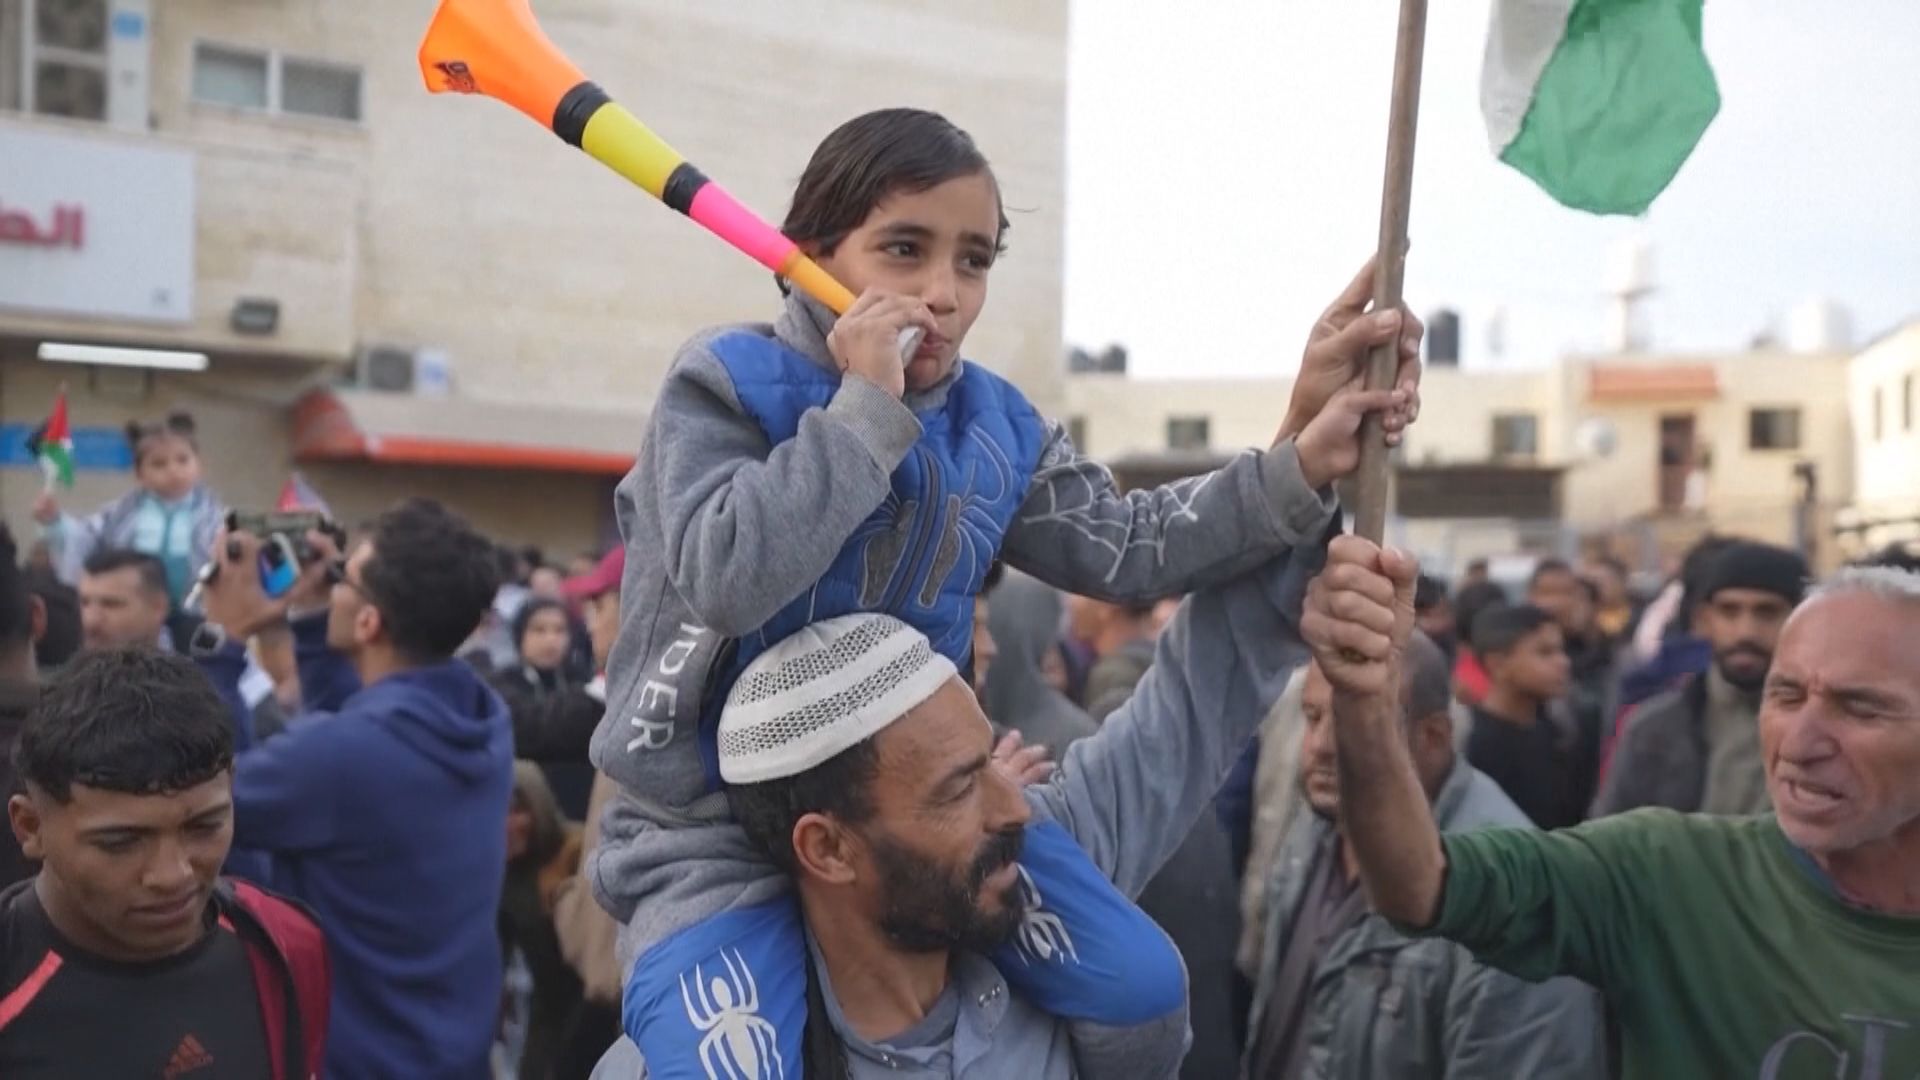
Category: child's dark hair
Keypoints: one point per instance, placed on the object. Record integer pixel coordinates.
(136, 721)
(175, 425)
(1468, 604)
(871, 157)
(1498, 630)
(1429, 592)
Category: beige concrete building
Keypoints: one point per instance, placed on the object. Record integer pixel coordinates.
(1884, 389)
(1642, 451)
(403, 293)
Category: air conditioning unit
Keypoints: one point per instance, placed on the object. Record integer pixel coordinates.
(397, 369)
(69, 60)
(76, 91)
(386, 368)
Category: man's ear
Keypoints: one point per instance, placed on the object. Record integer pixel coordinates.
(825, 849)
(26, 822)
(369, 625)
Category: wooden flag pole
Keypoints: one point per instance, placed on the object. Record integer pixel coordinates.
(1396, 197)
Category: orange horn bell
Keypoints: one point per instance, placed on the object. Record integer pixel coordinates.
(496, 48)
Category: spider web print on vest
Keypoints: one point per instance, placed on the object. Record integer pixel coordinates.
(1042, 937)
(739, 1043)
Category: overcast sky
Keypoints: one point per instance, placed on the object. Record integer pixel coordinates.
(1224, 166)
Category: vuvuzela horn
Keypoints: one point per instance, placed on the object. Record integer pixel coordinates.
(496, 48)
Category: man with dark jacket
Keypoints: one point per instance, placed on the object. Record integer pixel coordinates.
(1341, 993)
(127, 954)
(1697, 748)
(384, 805)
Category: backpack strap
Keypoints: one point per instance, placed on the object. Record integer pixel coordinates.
(288, 955)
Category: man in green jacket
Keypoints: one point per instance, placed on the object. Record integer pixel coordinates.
(1342, 995)
(1775, 946)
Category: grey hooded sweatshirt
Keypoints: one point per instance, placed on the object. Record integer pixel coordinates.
(723, 529)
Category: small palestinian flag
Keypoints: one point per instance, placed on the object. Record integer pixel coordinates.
(52, 443)
(1597, 101)
(297, 494)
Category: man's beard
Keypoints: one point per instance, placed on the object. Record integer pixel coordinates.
(1741, 680)
(930, 909)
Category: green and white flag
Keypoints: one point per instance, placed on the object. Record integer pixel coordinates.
(1597, 101)
(52, 443)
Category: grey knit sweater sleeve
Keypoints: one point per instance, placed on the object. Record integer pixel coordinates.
(1130, 792)
(745, 527)
(1079, 532)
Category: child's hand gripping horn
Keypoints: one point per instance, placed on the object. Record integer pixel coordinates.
(496, 48)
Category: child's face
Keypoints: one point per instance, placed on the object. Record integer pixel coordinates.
(1537, 665)
(938, 245)
(168, 466)
(547, 638)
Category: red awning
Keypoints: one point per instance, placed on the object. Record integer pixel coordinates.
(404, 429)
(1652, 382)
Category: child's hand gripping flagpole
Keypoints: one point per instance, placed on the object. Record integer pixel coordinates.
(1371, 481)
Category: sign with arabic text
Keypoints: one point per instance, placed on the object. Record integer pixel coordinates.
(95, 226)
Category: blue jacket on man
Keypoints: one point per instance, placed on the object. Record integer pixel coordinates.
(383, 809)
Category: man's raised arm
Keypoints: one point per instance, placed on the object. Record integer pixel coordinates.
(1358, 616)
(1130, 793)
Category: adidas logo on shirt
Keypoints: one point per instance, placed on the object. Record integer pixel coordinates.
(188, 1057)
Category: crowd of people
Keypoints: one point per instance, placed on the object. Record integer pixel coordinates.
(1573, 697)
(894, 739)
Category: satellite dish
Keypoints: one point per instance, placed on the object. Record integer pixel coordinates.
(1596, 439)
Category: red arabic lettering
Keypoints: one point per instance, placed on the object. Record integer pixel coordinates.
(67, 230)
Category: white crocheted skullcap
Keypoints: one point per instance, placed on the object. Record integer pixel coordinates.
(822, 691)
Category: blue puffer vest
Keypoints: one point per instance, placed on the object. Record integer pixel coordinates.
(923, 555)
